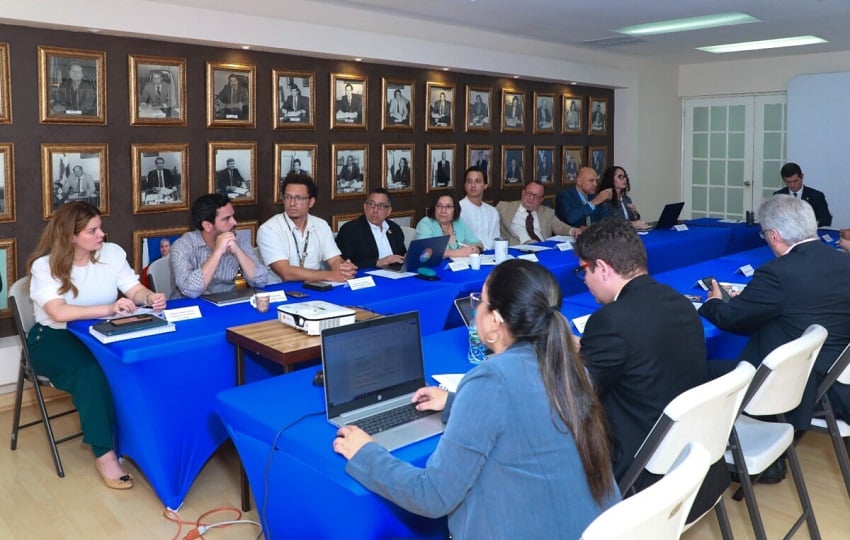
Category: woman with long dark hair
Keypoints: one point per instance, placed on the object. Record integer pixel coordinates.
(617, 180)
(525, 450)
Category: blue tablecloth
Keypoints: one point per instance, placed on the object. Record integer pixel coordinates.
(164, 386)
(742, 236)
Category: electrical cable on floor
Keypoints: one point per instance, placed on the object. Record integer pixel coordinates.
(198, 528)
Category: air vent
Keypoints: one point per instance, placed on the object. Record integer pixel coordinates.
(607, 43)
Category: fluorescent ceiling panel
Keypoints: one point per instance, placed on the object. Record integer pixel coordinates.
(691, 23)
(763, 44)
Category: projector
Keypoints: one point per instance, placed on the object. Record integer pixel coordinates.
(314, 316)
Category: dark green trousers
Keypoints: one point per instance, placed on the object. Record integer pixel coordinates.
(72, 367)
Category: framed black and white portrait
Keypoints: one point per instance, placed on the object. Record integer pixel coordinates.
(513, 163)
(294, 99)
(348, 101)
(439, 107)
(157, 91)
(297, 159)
(573, 160)
(545, 170)
(350, 165)
(232, 170)
(544, 113)
(481, 156)
(598, 116)
(398, 104)
(71, 86)
(7, 182)
(397, 168)
(5, 86)
(74, 172)
(598, 156)
(513, 110)
(571, 105)
(160, 177)
(230, 95)
(8, 273)
(479, 101)
(441, 166)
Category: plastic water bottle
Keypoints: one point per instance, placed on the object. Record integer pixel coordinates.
(477, 351)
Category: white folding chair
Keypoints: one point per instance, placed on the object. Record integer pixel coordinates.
(22, 312)
(659, 511)
(159, 274)
(703, 415)
(825, 420)
(755, 444)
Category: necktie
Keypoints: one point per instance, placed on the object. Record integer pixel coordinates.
(161, 183)
(231, 176)
(158, 92)
(795, 194)
(529, 226)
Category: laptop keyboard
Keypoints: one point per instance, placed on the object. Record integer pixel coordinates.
(391, 418)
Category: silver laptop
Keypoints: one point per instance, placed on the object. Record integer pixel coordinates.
(464, 307)
(371, 371)
(226, 298)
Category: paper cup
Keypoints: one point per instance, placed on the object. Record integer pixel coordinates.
(475, 261)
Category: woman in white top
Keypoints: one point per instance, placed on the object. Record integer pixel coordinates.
(75, 275)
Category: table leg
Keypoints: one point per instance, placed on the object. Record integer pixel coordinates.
(243, 478)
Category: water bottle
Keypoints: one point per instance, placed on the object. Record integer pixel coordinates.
(477, 352)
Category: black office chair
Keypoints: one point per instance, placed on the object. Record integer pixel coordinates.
(22, 311)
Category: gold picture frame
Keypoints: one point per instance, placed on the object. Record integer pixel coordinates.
(157, 90)
(395, 178)
(572, 115)
(513, 111)
(544, 113)
(338, 220)
(239, 182)
(597, 116)
(7, 182)
(72, 172)
(71, 86)
(479, 106)
(597, 158)
(229, 86)
(397, 104)
(439, 106)
(349, 110)
(544, 169)
(293, 99)
(404, 218)
(572, 158)
(441, 167)
(481, 155)
(8, 272)
(5, 86)
(251, 227)
(350, 171)
(160, 177)
(298, 158)
(513, 166)
(153, 238)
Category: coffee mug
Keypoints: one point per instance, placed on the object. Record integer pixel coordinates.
(261, 301)
(475, 261)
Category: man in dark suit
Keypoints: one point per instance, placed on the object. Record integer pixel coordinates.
(580, 204)
(792, 175)
(349, 175)
(296, 108)
(513, 172)
(441, 111)
(373, 240)
(229, 181)
(644, 346)
(444, 172)
(806, 284)
(160, 181)
(349, 108)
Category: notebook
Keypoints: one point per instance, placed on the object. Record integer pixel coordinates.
(424, 252)
(371, 369)
(668, 218)
(226, 298)
(464, 307)
(134, 326)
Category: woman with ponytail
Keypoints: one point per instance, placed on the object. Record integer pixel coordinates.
(525, 450)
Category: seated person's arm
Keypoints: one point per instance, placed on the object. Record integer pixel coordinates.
(190, 279)
(341, 270)
(254, 272)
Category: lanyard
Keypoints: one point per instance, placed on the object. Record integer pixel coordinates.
(302, 254)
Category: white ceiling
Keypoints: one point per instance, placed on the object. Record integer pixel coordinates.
(577, 22)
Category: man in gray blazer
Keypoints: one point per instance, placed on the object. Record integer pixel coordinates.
(526, 220)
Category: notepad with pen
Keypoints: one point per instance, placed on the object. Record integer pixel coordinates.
(134, 326)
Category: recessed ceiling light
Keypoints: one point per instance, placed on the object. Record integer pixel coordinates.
(516, 76)
(691, 23)
(246, 47)
(358, 59)
(763, 44)
(445, 69)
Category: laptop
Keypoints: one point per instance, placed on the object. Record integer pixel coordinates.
(464, 307)
(226, 298)
(371, 370)
(424, 252)
(669, 217)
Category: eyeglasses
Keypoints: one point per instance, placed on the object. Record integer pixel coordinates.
(444, 206)
(378, 205)
(763, 233)
(580, 271)
(475, 300)
(296, 198)
(531, 195)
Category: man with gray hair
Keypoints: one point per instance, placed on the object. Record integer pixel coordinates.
(808, 283)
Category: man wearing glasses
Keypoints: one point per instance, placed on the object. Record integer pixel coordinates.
(373, 240)
(580, 205)
(295, 244)
(526, 220)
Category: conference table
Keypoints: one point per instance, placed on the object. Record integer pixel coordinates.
(164, 386)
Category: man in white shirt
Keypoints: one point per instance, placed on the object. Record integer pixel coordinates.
(294, 244)
(479, 216)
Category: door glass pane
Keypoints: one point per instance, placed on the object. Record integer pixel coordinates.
(699, 170)
(734, 202)
(718, 119)
(699, 199)
(773, 146)
(717, 201)
(737, 118)
(736, 146)
(735, 173)
(717, 143)
(700, 119)
(774, 114)
(700, 142)
(717, 173)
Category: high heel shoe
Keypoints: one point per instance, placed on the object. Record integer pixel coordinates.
(123, 482)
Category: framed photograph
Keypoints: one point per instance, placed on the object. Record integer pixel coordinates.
(232, 170)
(294, 101)
(441, 166)
(5, 86)
(230, 95)
(349, 163)
(404, 218)
(74, 172)
(439, 107)
(598, 116)
(480, 155)
(7, 182)
(573, 159)
(248, 229)
(598, 156)
(544, 113)
(71, 86)
(513, 162)
(152, 244)
(157, 91)
(338, 220)
(397, 168)
(160, 177)
(479, 102)
(513, 110)
(8, 266)
(348, 101)
(545, 170)
(398, 104)
(292, 158)
(571, 105)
